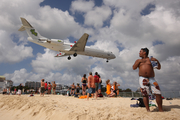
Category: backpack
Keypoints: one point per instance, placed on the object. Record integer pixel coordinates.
(140, 102)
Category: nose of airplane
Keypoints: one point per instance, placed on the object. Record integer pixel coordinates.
(114, 56)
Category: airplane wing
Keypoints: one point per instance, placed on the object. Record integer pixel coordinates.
(80, 44)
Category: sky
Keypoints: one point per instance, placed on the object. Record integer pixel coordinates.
(120, 26)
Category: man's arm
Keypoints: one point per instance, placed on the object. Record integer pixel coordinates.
(88, 82)
(159, 65)
(136, 64)
(99, 80)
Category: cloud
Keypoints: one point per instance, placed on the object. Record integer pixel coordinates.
(44, 63)
(11, 52)
(82, 6)
(126, 32)
(97, 16)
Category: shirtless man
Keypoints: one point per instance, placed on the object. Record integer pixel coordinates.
(146, 78)
(42, 87)
(73, 87)
(91, 85)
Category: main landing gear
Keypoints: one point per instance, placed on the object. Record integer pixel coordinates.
(107, 61)
(69, 58)
(75, 54)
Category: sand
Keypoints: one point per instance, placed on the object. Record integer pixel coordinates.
(58, 107)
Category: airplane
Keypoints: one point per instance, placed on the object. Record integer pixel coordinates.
(65, 49)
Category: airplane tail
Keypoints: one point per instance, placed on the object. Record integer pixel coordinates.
(29, 29)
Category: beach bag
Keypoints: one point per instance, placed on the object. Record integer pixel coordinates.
(100, 95)
(140, 102)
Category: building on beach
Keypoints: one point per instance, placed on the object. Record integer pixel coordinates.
(5, 84)
(33, 85)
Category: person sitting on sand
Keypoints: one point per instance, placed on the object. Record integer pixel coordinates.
(68, 92)
(114, 90)
(84, 81)
(31, 94)
(73, 87)
(4, 91)
(20, 89)
(108, 87)
(42, 87)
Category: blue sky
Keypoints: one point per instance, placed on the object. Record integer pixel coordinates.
(122, 27)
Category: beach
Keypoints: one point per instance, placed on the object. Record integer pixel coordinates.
(58, 107)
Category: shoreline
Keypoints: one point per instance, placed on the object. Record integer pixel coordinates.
(52, 107)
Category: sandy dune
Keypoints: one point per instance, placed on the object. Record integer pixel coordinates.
(57, 107)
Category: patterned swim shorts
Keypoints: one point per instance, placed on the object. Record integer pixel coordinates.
(149, 85)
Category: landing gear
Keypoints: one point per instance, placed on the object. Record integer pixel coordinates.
(69, 58)
(107, 61)
(75, 54)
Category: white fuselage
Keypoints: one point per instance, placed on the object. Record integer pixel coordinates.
(65, 47)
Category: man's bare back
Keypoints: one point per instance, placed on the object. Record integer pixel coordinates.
(42, 83)
(91, 82)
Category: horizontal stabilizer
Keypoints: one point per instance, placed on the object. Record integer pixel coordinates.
(22, 28)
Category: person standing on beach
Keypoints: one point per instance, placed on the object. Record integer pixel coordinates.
(73, 87)
(99, 84)
(78, 89)
(96, 79)
(91, 85)
(84, 81)
(49, 88)
(46, 89)
(54, 87)
(146, 78)
(42, 87)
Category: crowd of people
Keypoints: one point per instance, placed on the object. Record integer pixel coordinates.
(93, 83)
(47, 88)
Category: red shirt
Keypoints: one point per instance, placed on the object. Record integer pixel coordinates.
(96, 79)
(45, 86)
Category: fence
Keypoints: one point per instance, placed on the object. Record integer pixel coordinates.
(165, 94)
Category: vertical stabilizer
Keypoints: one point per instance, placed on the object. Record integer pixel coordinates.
(32, 32)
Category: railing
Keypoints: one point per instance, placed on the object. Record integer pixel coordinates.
(165, 94)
